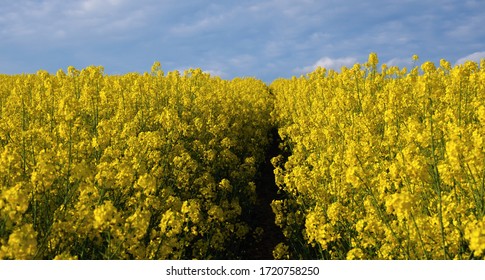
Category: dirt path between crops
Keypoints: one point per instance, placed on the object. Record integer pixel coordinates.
(263, 215)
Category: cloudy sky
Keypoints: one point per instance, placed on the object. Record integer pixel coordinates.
(266, 39)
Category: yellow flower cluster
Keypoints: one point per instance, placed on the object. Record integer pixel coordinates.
(383, 163)
(134, 166)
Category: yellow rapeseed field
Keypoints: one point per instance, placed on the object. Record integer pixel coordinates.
(376, 162)
(383, 163)
(138, 166)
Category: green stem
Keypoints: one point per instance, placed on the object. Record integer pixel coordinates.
(437, 181)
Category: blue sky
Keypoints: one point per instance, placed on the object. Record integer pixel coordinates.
(266, 39)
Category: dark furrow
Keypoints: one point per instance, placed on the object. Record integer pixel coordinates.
(262, 215)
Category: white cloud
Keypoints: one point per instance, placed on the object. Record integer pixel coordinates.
(93, 7)
(216, 73)
(400, 62)
(329, 63)
(477, 56)
(62, 22)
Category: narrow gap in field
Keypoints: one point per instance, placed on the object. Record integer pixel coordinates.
(262, 215)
